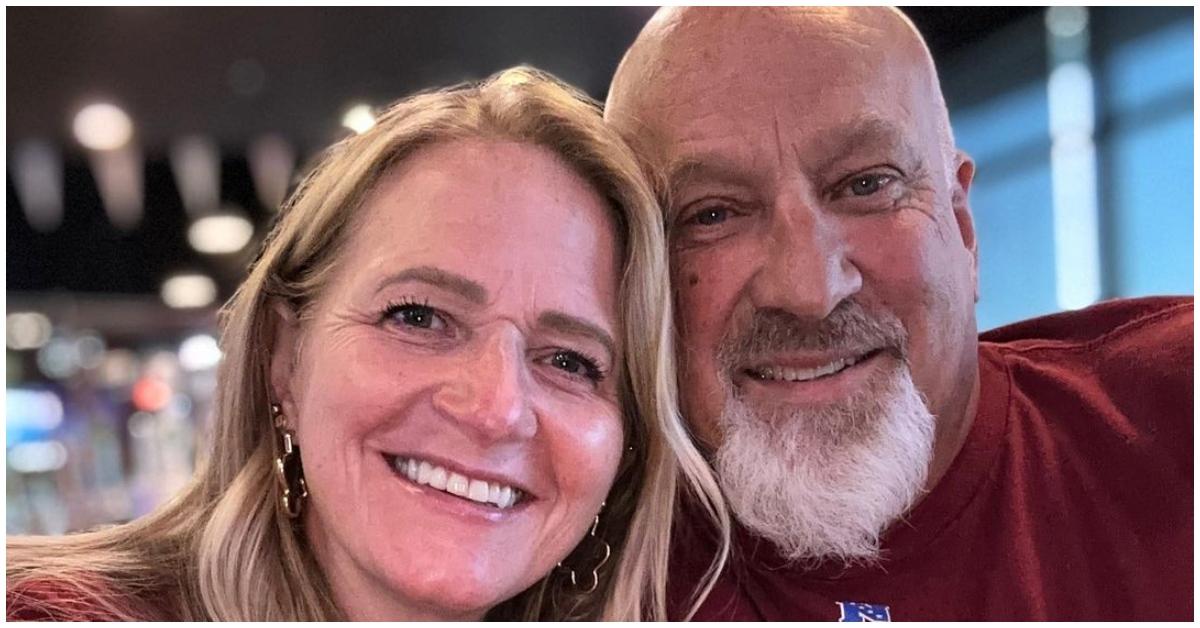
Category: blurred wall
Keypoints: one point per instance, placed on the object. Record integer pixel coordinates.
(1083, 142)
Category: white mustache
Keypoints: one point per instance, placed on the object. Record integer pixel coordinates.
(849, 329)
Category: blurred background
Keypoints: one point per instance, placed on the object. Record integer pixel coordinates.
(147, 149)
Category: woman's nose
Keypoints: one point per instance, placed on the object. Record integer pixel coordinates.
(490, 394)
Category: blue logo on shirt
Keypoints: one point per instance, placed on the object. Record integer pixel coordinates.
(858, 611)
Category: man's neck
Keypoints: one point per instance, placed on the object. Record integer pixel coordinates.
(950, 435)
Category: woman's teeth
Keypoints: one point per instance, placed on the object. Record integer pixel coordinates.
(433, 476)
(787, 374)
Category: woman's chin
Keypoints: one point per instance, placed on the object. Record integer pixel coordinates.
(466, 591)
(445, 599)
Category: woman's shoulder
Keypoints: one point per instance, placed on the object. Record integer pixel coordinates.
(53, 599)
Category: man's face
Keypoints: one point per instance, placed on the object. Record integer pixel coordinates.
(807, 173)
(825, 279)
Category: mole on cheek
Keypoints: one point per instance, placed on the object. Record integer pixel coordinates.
(693, 279)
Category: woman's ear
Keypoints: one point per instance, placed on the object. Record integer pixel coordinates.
(284, 354)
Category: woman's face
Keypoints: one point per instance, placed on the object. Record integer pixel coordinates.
(454, 391)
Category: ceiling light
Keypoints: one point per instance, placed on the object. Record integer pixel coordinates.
(27, 330)
(59, 359)
(38, 179)
(196, 164)
(103, 126)
(189, 290)
(37, 457)
(227, 232)
(119, 178)
(272, 161)
(35, 410)
(199, 353)
(358, 118)
(1066, 21)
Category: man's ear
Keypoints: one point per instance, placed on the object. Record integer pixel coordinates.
(964, 175)
(285, 353)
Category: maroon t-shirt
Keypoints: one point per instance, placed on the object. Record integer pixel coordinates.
(1071, 499)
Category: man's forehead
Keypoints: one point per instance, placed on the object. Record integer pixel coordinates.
(764, 76)
(716, 158)
(815, 102)
(729, 40)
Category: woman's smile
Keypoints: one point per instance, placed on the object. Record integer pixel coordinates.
(481, 489)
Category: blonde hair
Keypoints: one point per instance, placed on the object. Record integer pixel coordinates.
(222, 550)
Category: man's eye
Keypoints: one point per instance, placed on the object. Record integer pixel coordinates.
(711, 216)
(707, 220)
(868, 184)
(574, 364)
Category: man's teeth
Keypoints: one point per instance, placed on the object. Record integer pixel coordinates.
(788, 374)
(433, 476)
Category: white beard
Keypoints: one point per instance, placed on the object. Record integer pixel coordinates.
(825, 483)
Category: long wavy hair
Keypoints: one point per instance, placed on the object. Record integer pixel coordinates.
(222, 549)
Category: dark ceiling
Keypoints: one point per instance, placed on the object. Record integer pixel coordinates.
(237, 73)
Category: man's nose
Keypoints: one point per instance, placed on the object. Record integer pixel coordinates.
(805, 268)
(490, 396)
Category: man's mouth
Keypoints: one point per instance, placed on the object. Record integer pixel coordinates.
(425, 473)
(769, 372)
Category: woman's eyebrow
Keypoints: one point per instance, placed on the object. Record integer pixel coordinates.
(573, 325)
(469, 289)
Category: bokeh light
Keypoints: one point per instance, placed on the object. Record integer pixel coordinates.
(188, 291)
(103, 126)
(199, 352)
(358, 118)
(227, 232)
(27, 330)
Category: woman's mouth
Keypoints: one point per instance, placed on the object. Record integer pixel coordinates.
(425, 473)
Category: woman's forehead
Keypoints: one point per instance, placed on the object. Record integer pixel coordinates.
(506, 215)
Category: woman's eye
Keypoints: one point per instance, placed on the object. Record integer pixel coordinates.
(577, 365)
(868, 184)
(416, 315)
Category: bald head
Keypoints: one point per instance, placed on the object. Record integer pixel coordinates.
(722, 46)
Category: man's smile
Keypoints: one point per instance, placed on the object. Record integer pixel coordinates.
(808, 380)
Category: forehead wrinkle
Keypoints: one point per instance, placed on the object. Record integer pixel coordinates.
(779, 143)
(865, 132)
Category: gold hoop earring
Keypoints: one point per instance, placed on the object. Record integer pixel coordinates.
(288, 470)
(595, 579)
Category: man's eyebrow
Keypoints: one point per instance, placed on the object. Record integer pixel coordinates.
(866, 132)
(822, 149)
(706, 166)
(467, 288)
(568, 324)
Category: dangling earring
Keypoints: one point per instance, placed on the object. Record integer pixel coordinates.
(287, 469)
(595, 576)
